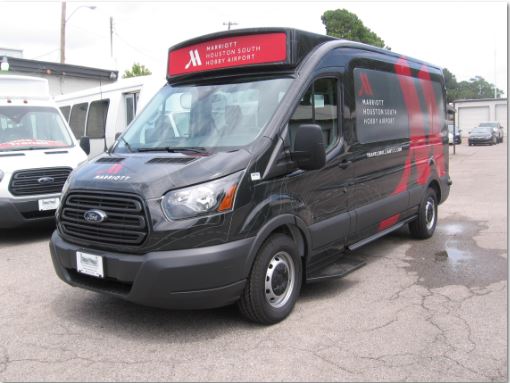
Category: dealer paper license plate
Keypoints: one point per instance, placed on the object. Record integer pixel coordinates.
(49, 203)
(89, 264)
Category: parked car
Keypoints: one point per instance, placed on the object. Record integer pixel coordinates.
(496, 127)
(458, 138)
(483, 135)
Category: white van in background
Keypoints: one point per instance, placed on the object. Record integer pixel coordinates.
(37, 151)
(102, 112)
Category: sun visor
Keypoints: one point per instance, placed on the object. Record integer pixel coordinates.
(241, 50)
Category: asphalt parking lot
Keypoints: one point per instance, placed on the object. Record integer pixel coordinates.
(433, 310)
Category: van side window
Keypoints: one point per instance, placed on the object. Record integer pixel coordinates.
(381, 113)
(77, 119)
(318, 106)
(96, 120)
(66, 111)
(131, 100)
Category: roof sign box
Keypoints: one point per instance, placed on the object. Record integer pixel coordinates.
(238, 49)
(228, 52)
(25, 87)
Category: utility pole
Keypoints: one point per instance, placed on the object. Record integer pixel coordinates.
(495, 87)
(63, 33)
(111, 37)
(229, 24)
(63, 21)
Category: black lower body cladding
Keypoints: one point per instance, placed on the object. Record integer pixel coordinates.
(199, 278)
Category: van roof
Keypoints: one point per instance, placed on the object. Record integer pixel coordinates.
(24, 87)
(265, 48)
(239, 49)
(118, 85)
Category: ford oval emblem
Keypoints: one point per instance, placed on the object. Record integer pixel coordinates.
(95, 216)
(46, 180)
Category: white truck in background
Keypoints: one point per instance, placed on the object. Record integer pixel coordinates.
(37, 151)
(99, 114)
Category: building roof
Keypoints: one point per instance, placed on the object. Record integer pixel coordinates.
(480, 99)
(50, 68)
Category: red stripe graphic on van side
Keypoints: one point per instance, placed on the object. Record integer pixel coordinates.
(389, 222)
(418, 144)
(366, 88)
(436, 120)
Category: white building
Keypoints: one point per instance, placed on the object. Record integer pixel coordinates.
(62, 78)
(469, 113)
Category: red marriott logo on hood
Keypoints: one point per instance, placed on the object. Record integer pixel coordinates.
(228, 52)
(111, 174)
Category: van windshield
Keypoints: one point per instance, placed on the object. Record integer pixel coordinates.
(28, 128)
(205, 117)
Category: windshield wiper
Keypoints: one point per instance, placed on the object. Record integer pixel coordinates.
(127, 144)
(169, 149)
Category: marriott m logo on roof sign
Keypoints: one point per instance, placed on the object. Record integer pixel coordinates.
(194, 59)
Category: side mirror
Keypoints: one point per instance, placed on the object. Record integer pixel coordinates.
(309, 151)
(85, 144)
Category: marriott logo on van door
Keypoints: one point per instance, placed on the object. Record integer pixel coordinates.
(228, 52)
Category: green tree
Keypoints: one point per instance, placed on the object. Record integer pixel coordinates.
(136, 70)
(346, 25)
(476, 88)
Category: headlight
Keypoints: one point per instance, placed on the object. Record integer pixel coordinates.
(66, 184)
(212, 197)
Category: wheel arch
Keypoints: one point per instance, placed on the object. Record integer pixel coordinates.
(287, 224)
(434, 184)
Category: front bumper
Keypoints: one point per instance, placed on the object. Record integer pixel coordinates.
(474, 141)
(15, 213)
(199, 278)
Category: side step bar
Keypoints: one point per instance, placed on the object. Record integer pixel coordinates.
(365, 241)
(343, 266)
(345, 263)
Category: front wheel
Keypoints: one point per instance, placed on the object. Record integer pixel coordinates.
(425, 224)
(274, 282)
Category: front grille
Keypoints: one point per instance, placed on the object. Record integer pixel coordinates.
(125, 222)
(38, 181)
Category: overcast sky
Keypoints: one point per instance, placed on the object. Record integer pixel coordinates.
(468, 38)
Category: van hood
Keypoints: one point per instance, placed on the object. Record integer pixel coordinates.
(151, 175)
(11, 161)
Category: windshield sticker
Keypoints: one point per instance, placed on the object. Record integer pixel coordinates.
(228, 52)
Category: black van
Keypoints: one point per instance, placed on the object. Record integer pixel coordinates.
(266, 157)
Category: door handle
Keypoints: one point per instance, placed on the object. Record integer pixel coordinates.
(345, 164)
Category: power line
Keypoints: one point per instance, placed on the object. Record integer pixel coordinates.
(133, 47)
(45, 54)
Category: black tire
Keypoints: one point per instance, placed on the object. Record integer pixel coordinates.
(424, 225)
(276, 255)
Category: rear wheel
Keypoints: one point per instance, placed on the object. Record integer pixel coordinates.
(425, 224)
(274, 282)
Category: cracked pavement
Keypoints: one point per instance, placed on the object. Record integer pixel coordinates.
(433, 310)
